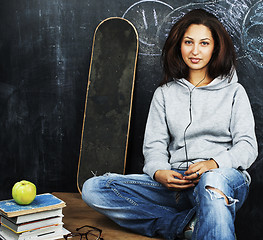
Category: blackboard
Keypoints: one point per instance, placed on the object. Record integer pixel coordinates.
(44, 59)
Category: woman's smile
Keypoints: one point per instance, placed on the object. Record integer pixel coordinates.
(195, 60)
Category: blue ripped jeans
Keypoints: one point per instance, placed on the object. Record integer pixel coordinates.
(144, 206)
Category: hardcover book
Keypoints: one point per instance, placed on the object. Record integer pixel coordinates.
(48, 233)
(29, 226)
(42, 202)
(35, 216)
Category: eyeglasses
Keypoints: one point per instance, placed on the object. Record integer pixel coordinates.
(92, 233)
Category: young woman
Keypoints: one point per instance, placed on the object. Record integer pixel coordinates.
(199, 141)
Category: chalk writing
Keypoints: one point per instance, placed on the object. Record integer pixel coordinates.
(146, 16)
(252, 37)
(243, 20)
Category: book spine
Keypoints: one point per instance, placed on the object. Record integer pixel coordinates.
(30, 229)
(36, 216)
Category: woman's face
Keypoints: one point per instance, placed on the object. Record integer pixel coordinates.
(197, 47)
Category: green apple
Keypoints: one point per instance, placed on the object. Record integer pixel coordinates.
(24, 192)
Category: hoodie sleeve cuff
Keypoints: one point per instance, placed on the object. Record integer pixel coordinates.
(223, 160)
(151, 168)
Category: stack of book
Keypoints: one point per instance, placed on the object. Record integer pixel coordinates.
(42, 219)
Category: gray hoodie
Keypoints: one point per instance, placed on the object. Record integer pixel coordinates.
(187, 124)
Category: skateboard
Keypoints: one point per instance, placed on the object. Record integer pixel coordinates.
(107, 113)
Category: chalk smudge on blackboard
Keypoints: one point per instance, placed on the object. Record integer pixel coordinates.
(252, 37)
(154, 19)
(146, 15)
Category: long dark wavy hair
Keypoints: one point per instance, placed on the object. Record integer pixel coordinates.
(223, 57)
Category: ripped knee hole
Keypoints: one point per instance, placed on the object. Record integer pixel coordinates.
(220, 192)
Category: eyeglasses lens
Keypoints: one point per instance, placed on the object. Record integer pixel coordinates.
(93, 235)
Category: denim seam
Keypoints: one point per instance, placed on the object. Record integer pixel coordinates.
(196, 228)
(109, 184)
(148, 184)
(143, 183)
(241, 185)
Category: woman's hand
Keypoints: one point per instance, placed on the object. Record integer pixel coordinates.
(195, 170)
(172, 180)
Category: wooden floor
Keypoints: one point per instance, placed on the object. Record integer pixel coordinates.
(77, 214)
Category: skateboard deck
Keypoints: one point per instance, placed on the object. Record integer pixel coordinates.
(107, 114)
